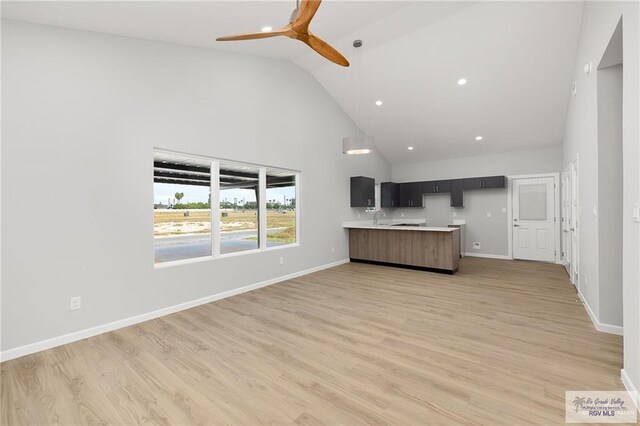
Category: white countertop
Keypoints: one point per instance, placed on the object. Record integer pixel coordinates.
(389, 225)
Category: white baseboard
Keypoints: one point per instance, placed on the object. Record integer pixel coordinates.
(631, 388)
(600, 326)
(488, 256)
(104, 328)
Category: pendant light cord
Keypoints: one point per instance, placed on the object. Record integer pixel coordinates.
(358, 91)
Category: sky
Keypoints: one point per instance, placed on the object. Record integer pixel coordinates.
(164, 191)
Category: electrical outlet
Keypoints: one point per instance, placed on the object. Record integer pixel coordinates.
(358, 215)
(281, 260)
(401, 214)
(333, 249)
(455, 214)
(75, 303)
(477, 245)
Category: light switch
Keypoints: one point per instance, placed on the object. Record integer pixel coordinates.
(595, 211)
(504, 210)
(636, 212)
(488, 214)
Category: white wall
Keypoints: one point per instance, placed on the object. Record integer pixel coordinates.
(81, 115)
(491, 232)
(581, 137)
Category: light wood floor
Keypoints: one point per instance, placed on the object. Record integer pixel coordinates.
(497, 343)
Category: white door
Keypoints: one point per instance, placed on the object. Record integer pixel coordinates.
(566, 221)
(533, 219)
(573, 226)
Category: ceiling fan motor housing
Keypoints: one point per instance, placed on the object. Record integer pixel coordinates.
(357, 43)
(293, 15)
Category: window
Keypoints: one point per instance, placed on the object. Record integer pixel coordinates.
(239, 213)
(181, 208)
(210, 208)
(281, 208)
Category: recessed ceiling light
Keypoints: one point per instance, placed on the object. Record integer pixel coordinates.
(267, 29)
(410, 148)
(378, 102)
(478, 138)
(462, 82)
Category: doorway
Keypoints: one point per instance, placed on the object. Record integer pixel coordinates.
(610, 180)
(533, 225)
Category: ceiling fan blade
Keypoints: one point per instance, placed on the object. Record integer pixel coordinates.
(323, 48)
(306, 11)
(254, 36)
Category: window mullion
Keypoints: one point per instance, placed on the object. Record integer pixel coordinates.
(215, 208)
(262, 208)
(297, 208)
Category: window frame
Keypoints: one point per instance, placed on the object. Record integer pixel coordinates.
(215, 211)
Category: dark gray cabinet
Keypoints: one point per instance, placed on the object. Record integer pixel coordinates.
(457, 193)
(485, 182)
(494, 182)
(404, 194)
(436, 186)
(363, 191)
(410, 194)
(389, 194)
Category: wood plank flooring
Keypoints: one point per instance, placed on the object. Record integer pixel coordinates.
(497, 343)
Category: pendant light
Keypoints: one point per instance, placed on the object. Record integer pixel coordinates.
(360, 143)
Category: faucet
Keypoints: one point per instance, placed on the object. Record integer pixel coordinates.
(375, 217)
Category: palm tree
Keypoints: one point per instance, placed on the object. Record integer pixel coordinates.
(578, 402)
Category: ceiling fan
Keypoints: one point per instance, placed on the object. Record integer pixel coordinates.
(298, 29)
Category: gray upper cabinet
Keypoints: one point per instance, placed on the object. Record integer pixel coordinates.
(389, 194)
(485, 182)
(436, 186)
(363, 191)
(457, 193)
(410, 194)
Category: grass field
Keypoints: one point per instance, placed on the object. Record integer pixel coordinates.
(175, 222)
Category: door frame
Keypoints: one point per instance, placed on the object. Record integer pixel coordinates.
(556, 210)
(565, 246)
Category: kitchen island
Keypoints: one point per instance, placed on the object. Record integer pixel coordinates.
(406, 245)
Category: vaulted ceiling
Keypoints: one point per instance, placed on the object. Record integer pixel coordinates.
(517, 57)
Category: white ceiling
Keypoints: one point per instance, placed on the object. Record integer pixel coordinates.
(198, 23)
(518, 58)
